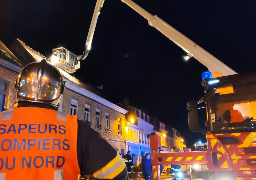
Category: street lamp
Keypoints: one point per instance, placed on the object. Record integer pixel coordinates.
(132, 120)
(164, 135)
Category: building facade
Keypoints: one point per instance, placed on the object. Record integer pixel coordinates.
(125, 127)
(178, 140)
(10, 67)
(138, 129)
(83, 100)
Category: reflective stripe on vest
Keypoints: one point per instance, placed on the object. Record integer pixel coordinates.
(61, 116)
(58, 174)
(6, 115)
(111, 170)
(38, 143)
(2, 176)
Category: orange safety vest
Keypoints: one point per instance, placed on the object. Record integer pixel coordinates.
(38, 144)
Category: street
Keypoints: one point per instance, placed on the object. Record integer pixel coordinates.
(168, 177)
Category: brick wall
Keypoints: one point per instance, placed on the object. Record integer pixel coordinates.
(116, 140)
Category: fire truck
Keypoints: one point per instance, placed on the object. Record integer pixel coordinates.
(230, 105)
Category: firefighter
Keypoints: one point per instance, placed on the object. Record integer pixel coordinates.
(38, 142)
(128, 161)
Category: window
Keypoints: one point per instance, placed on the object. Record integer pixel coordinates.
(87, 113)
(74, 106)
(120, 126)
(137, 113)
(142, 115)
(98, 117)
(4, 86)
(139, 137)
(162, 125)
(107, 121)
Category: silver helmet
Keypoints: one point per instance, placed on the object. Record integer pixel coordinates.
(39, 82)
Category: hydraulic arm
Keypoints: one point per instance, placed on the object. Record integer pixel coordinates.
(192, 49)
(95, 16)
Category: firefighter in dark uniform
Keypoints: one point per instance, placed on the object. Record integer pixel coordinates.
(38, 142)
(128, 161)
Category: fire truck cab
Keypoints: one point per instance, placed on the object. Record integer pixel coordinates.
(230, 104)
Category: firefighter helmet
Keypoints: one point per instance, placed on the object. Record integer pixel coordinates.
(39, 82)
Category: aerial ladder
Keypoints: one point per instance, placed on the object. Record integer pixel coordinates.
(214, 65)
(191, 48)
(230, 127)
(67, 60)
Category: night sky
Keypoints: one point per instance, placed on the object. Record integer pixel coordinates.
(132, 59)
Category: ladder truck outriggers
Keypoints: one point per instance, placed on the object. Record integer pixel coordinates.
(229, 102)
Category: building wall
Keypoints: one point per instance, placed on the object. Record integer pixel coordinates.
(116, 139)
(10, 76)
(169, 144)
(136, 134)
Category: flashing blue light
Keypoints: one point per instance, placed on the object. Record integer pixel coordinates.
(252, 127)
(206, 75)
(214, 81)
(199, 142)
(180, 175)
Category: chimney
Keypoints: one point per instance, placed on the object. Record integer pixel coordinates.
(126, 102)
(100, 87)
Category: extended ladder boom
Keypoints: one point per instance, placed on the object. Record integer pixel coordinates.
(95, 16)
(192, 49)
(213, 64)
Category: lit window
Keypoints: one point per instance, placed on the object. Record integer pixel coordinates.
(87, 113)
(74, 107)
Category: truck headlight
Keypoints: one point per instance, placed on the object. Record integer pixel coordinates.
(180, 174)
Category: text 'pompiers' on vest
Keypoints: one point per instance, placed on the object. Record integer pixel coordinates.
(43, 144)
